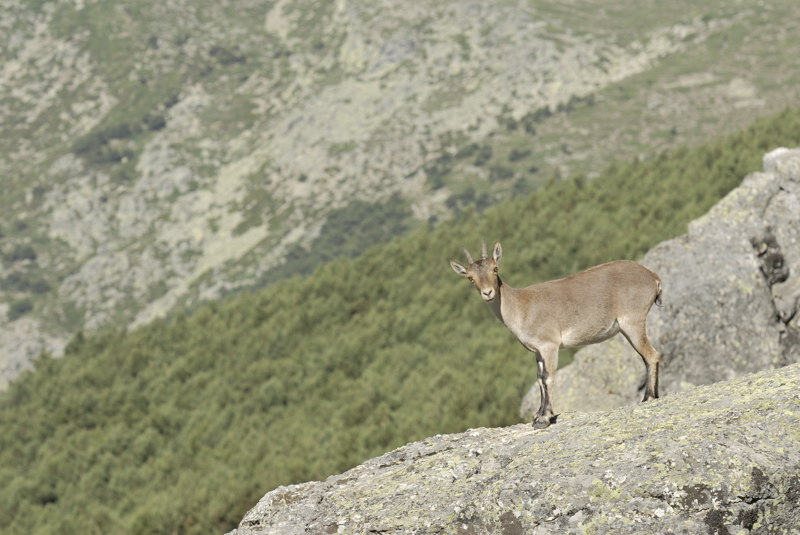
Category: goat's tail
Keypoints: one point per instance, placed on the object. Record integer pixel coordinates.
(657, 300)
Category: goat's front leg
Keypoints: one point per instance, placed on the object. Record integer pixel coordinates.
(547, 363)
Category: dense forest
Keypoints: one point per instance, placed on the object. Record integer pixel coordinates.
(182, 425)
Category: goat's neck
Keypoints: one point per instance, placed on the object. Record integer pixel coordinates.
(504, 301)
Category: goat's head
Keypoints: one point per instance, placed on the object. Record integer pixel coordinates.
(482, 273)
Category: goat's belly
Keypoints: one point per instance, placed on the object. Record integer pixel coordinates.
(582, 337)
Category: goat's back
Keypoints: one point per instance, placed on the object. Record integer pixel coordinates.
(592, 300)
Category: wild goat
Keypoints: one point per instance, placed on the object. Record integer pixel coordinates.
(584, 308)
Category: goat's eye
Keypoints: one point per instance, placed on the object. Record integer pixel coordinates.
(495, 269)
(470, 279)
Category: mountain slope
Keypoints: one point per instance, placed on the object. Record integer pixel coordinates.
(179, 426)
(163, 153)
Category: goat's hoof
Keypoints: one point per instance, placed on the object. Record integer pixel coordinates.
(541, 424)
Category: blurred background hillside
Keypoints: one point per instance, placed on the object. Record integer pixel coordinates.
(158, 154)
(234, 219)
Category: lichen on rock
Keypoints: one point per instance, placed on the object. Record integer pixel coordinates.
(717, 459)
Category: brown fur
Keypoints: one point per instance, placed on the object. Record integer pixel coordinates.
(584, 308)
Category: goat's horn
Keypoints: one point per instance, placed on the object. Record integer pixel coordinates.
(469, 256)
(483, 249)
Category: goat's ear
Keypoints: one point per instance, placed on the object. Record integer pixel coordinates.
(458, 268)
(497, 253)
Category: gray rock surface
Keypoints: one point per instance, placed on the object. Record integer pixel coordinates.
(720, 458)
(731, 299)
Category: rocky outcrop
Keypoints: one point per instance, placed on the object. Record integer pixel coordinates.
(717, 459)
(731, 299)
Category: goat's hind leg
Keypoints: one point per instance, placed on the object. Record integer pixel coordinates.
(636, 334)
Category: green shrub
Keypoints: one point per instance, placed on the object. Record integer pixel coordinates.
(33, 282)
(518, 154)
(483, 155)
(19, 308)
(437, 169)
(227, 56)
(500, 172)
(20, 252)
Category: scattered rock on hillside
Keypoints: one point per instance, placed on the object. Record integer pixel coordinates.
(731, 299)
(190, 166)
(718, 459)
(30, 341)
